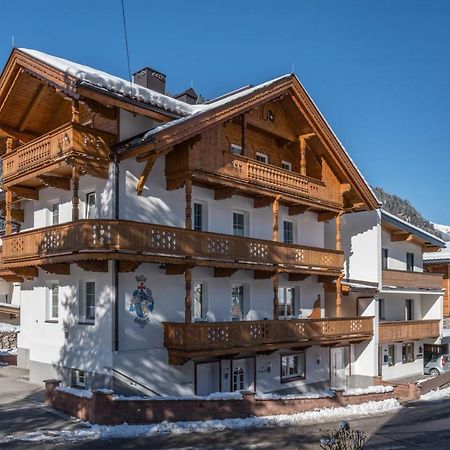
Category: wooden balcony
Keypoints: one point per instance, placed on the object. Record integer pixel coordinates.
(250, 177)
(414, 280)
(208, 339)
(410, 330)
(48, 154)
(121, 239)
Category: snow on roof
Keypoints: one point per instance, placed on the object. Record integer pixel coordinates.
(425, 235)
(443, 255)
(111, 83)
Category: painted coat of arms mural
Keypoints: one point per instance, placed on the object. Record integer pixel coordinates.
(142, 302)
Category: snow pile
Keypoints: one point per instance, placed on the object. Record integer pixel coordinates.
(8, 328)
(327, 393)
(214, 396)
(165, 428)
(368, 390)
(8, 351)
(84, 393)
(440, 394)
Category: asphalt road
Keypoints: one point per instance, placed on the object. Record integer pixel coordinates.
(419, 425)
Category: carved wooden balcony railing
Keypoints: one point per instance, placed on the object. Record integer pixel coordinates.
(202, 339)
(139, 240)
(418, 280)
(409, 330)
(50, 149)
(249, 175)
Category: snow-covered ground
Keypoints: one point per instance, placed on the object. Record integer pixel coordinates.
(91, 432)
(369, 390)
(440, 394)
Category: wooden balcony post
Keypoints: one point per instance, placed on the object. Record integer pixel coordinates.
(302, 155)
(8, 213)
(244, 133)
(339, 297)
(75, 192)
(276, 304)
(75, 111)
(188, 207)
(338, 232)
(187, 299)
(275, 206)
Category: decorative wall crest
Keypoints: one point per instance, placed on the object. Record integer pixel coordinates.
(142, 302)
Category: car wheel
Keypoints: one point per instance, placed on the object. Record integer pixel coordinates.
(434, 372)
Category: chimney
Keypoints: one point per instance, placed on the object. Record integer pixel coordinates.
(151, 79)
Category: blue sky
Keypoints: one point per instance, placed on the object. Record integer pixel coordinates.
(378, 70)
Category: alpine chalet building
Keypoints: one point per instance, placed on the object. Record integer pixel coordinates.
(172, 246)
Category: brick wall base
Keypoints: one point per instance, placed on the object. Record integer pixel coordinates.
(9, 359)
(101, 408)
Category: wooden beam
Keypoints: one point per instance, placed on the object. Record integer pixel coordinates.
(224, 193)
(25, 192)
(263, 274)
(11, 87)
(176, 269)
(21, 136)
(276, 304)
(145, 174)
(345, 187)
(12, 278)
(224, 272)
(275, 206)
(397, 236)
(60, 268)
(188, 204)
(17, 215)
(55, 182)
(26, 272)
(326, 278)
(106, 111)
(32, 108)
(326, 216)
(298, 276)
(93, 265)
(338, 232)
(297, 209)
(8, 216)
(244, 134)
(187, 298)
(128, 266)
(263, 201)
(75, 192)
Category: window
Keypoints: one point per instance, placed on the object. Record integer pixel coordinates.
(87, 312)
(381, 312)
(286, 165)
(236, 149)
(288, 231)
(409, 309)
(238, 379)
(391, 355)
(55, 214)
(237, 302)
(79, 379)
(239, 224)
(199, 223)
(292, 367)
(384, 258)
(199, 301)
(408, 352)
(261, 157)
(53, 302)
(410, 262)
(91, 207)
(286, 301)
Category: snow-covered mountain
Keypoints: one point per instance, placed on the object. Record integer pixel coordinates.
(442, 228)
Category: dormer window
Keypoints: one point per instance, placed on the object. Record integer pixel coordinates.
(262, 157)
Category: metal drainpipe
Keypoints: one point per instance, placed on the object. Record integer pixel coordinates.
(116, 262)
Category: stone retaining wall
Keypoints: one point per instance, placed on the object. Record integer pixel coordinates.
(102, 408)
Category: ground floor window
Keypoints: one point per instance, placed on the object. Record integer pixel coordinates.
(391, 355)
(292, 367)
(238, 379)
(408, 352)
(79, 379)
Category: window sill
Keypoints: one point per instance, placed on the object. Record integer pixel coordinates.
(86, 323)
(52, 321)
(288, 380)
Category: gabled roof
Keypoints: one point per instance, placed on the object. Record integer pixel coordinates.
(425, 237)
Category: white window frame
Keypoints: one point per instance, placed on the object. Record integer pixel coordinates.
(236, 149)
(294, 234)
(246, 229)
(86, 210)
(204, 217)
(50, 298)
(204, 302)
(263, 158)
(286, 165)
(244, 304)
(83, 302)
(290, 361)
(79, 378)
(282, 307)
